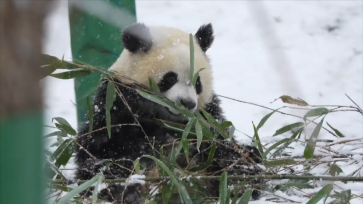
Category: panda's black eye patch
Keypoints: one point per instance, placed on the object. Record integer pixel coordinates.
(198, 86)
(169, 80)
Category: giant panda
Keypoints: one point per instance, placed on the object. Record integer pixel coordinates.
(162, 53)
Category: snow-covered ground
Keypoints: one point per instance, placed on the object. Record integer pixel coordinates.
(262, 50)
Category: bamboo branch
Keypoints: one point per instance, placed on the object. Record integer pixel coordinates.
(277, 111)
(246, 177)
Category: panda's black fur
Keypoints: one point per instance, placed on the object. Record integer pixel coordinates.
(114, 156)
(205, 36)
(137, 37)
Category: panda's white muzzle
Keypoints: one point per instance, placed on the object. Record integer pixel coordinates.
(183, 94)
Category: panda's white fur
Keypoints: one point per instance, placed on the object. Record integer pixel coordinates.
(170, 51)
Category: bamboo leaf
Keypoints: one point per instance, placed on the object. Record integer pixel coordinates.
(72, 74)
(191, 44)
(47, 70)
(216, 125)
(211, 120)
(137, 165)
(289, 128)
(316, 112)
(181, 198)
(48, 59)
(310, 146)
(228, 195)
(246, 197)
(227, 124)
(47, 170)
(223, 190)
(264, 119)
(59, 140)
(56, 133)
(292, 138)
(65, 129)
(205, 126)
(345, 196)
(197, 186)
(258, 141)
(335, 130)
(110, 98)
(172, 126)
(61, 188)
(325, 191)
(50, 63)
(274, 146)
(90, 116)
(154, 87)
(95, 190)
(335, 170)
(185, 137)
(290, 100)
(209, 160)
(181, 188)
(194, 82)
(64, 152)
(279, 162)
(158, 100)
(198, 130)
(198, 199)
(184, 111)
(234, 200)
(55, 63)
(236, 189)
(296, 185)
(240, 185)
(171, 162)
(78, 190)
(260, 124)
(64, 125)
(54, 169)
(167, 192)
(207, 133)
(55, 144)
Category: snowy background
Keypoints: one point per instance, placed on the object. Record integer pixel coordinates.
(262, 50)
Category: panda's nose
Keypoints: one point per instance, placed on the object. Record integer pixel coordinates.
(188, 103)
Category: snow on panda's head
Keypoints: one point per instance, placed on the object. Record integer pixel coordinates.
(164, 54)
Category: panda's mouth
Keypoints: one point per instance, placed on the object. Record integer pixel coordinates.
(188, 104)
(177, 112)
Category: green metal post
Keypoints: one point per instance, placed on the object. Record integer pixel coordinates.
(95, 42)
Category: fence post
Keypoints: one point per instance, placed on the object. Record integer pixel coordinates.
(96, 42)
(21, 118)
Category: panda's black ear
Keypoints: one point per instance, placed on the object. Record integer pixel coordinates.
(136, 37)
(205, 36)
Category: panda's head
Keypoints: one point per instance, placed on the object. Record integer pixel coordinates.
(164, 54)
